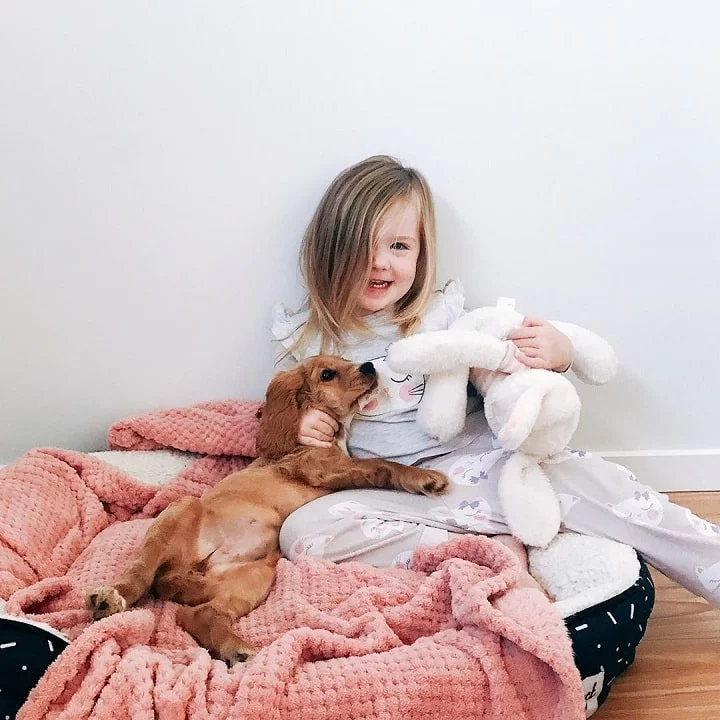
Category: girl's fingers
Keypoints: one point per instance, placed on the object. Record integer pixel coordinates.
(311, 441)
(531, 362)
(319, 434)
(529, 343)
(330, 421)
(522, 333)
(532, 352)
(324, 428)
(316, 417)
(533, 321)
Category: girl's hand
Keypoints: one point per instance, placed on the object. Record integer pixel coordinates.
(542, 345)
(317, 428)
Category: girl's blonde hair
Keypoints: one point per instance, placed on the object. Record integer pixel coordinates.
(336, 252)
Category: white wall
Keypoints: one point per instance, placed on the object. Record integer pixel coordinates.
(158, 163)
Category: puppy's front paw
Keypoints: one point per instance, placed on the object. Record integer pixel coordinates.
(436, 484)
(105, 601)
(429, 482)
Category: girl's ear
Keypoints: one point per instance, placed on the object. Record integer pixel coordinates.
(280, 418)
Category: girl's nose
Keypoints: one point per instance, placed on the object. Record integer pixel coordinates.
(380, 260)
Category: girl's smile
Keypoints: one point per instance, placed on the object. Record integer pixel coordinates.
(377, 287)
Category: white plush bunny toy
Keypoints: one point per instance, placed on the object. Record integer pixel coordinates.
(533, 413)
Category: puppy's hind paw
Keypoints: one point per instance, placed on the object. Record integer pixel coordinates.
(105, 601)
(235, 651)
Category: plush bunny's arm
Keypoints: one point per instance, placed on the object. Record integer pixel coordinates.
(445, 350)
(492, 320)
(594, 360)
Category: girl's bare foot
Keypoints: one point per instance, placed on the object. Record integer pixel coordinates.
(525, 579)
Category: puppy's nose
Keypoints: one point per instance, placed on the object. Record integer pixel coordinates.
(367, 368)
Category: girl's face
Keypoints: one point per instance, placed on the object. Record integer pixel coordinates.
(396, 247)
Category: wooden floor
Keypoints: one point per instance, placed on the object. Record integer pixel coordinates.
(676, 674)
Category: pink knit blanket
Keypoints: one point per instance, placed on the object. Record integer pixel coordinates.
(451, 638)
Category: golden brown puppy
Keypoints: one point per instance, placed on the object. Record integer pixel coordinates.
(217, 555)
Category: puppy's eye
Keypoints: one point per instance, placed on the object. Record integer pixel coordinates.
(327, 375)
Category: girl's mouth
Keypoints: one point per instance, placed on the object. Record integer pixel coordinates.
(379, 284)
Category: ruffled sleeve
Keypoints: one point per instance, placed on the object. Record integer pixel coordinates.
(285, 329)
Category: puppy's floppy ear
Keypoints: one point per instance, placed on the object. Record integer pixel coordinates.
(280, 420)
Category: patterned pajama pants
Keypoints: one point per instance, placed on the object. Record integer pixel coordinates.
(598, 498)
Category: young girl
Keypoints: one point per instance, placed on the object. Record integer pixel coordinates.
(368, 261)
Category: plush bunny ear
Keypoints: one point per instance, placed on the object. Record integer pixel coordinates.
(595, 361)
(280, 417)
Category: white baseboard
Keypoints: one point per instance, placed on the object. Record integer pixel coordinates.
(672, 470)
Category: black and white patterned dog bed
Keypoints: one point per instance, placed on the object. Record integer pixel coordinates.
(27, 649)
(605, 636)
(605, 595)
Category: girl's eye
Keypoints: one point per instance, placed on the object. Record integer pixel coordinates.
(399, 246)
(327, 375)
